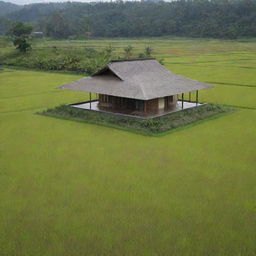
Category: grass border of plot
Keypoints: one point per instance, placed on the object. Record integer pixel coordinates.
(157, 126)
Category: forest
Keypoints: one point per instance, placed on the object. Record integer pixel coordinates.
(189, 18)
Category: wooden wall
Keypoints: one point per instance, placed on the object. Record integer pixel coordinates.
(157, 105)
(171, 102)
(151, 105)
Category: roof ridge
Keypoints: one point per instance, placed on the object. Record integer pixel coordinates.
(142, 90)
(116, 73)
(136, 59)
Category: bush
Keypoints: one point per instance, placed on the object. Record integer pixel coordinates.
(151, 126)
(58, 59)
(87, 60)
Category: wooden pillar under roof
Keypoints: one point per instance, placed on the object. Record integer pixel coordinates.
(90, 100)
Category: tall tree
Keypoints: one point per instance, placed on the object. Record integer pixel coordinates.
(58, 26)
(148, 51)
(20, 32)
(128, 51)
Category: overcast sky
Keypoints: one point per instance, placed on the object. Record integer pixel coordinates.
(21, 2)
(45, 1)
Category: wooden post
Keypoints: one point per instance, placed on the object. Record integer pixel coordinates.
(145, 106)
(189, 97)
(90, 100)
(182, 100)
(196, 97)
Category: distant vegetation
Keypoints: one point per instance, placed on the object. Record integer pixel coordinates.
(85, 60)
(19, 32)
(193, 18)
(6, 8)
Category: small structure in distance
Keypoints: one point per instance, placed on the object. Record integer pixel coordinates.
(37, 34)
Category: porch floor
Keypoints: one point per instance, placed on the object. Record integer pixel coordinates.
(131, 113)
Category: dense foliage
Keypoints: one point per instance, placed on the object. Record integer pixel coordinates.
(85, 61)
(153, 126)
(20, 32)
(5, 25)
(81, 60)
(6, 8)
(195, 18)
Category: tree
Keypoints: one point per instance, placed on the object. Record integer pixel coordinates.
(58, 26)
(21, 44)
(190, 18)
(148, 51)
(5, 25)
(20, 32)
(109, 50)
(128, 51)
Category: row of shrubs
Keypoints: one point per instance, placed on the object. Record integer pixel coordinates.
(68, 63)
(56, 61)
(87, 60)
(152, 126)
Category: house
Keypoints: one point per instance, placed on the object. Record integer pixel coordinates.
(37, 34)
(140, 87)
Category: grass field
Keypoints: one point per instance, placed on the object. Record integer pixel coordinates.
(69, 188)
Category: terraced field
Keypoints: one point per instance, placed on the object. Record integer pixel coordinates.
(69, 188)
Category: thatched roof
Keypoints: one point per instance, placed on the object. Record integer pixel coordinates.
(138, 79)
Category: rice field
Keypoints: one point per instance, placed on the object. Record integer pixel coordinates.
(70, 188)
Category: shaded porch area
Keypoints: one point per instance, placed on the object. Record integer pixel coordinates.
(93, 105)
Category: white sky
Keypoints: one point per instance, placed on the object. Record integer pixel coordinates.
(46, 1)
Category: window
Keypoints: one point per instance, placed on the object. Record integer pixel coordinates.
(139, 105)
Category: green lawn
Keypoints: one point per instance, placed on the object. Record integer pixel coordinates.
(70, 188)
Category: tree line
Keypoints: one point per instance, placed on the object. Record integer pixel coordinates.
(87, 60)
(191, 18)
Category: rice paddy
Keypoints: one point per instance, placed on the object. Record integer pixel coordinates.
(70, 188)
